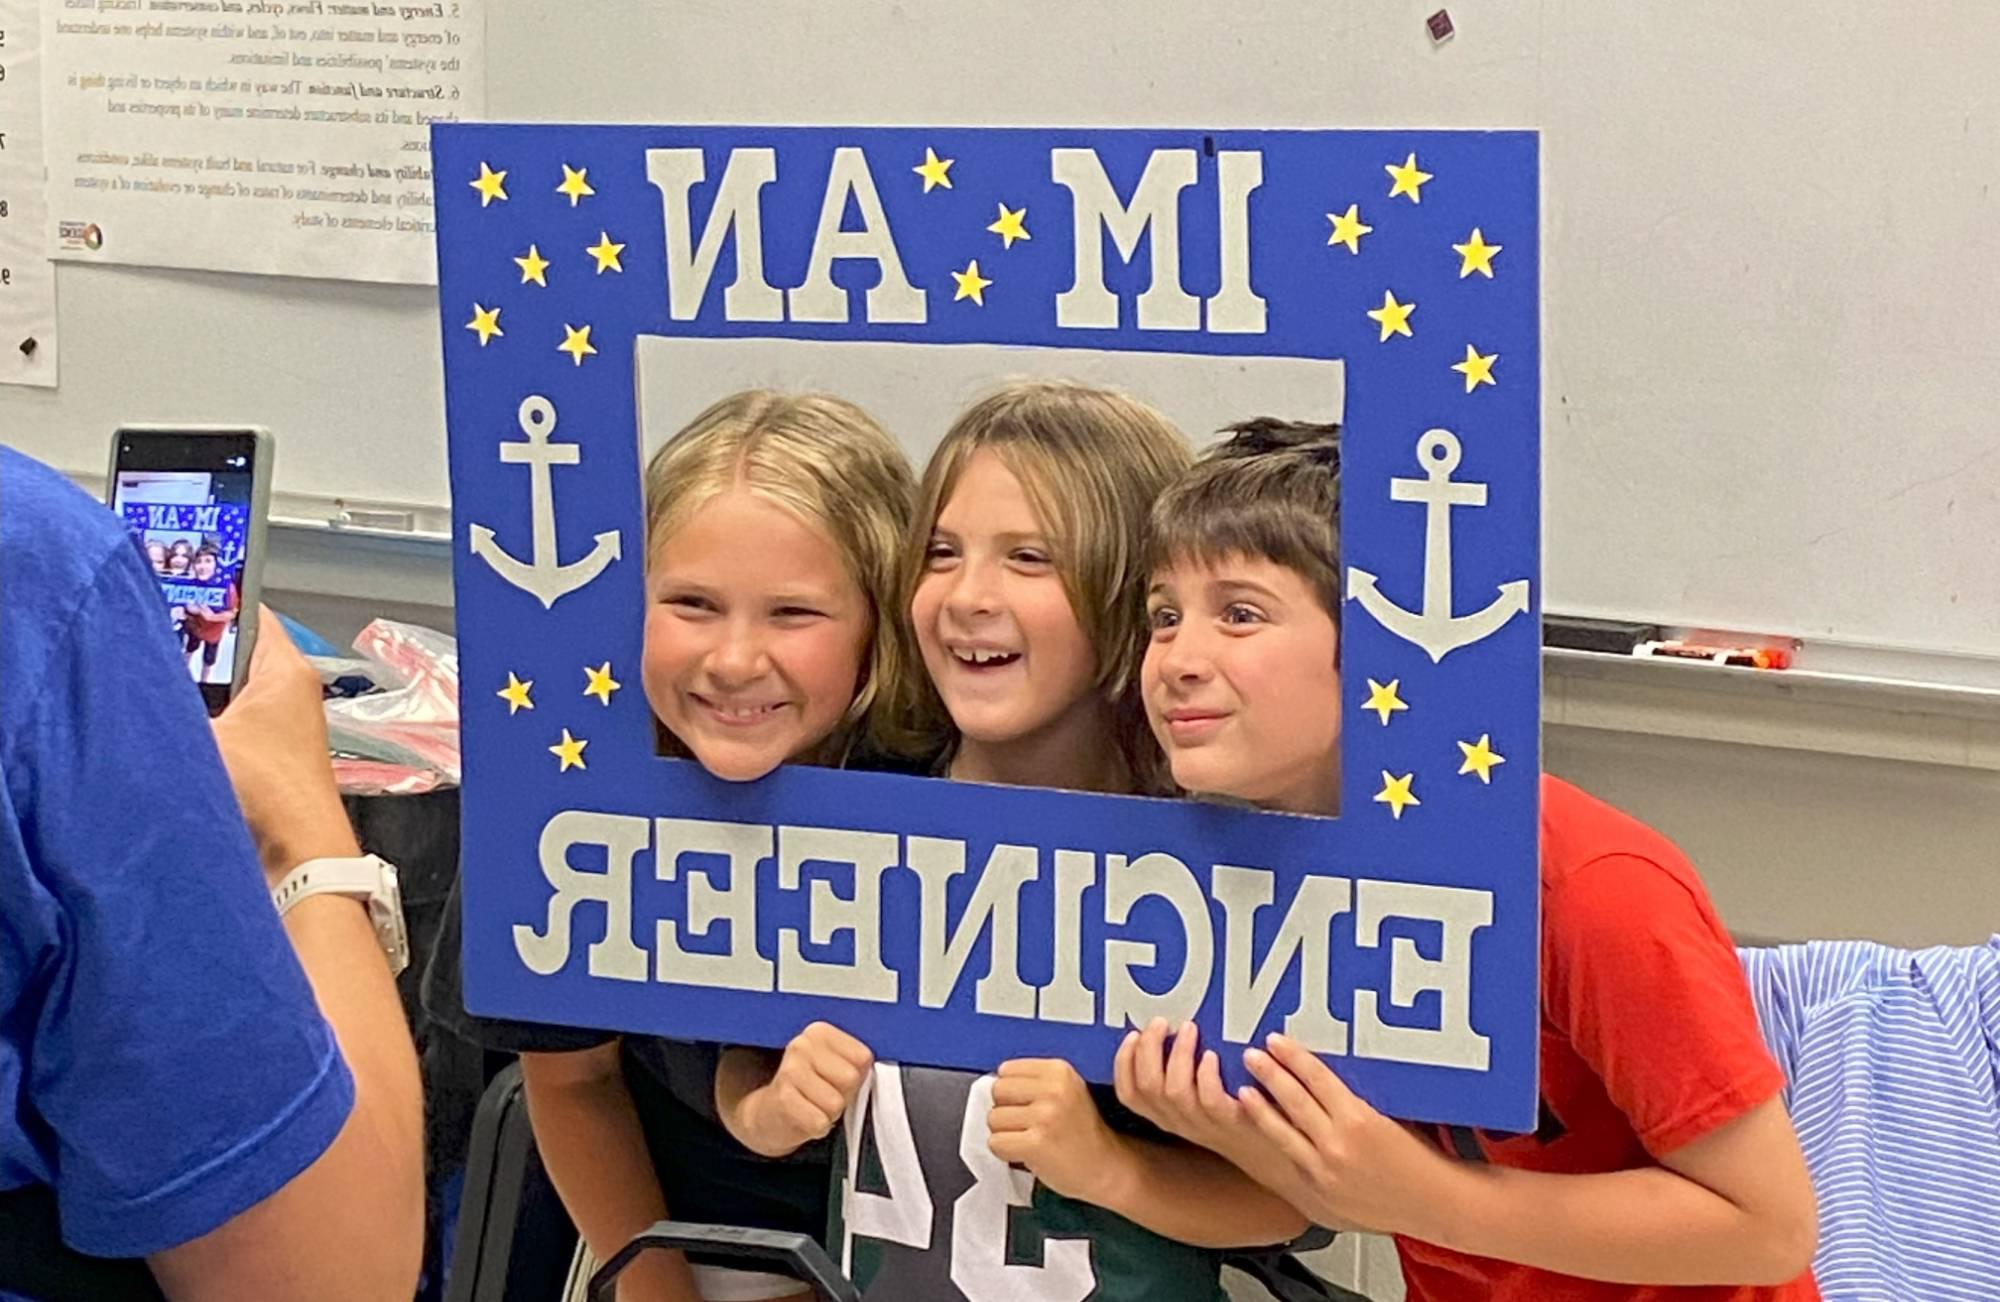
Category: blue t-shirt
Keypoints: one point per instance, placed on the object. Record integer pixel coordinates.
(163, 1065)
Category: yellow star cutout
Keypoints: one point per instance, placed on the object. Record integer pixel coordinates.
(971, 284)
(1383, 700)
(1476, 255)
(576, 342)
(1348, 228)
(606, 253)
(485, 322)
(570, 751)
(935, 171)
(1010, 226)
(1480, 759)
(1396, 793)
(534, 268)
(515, 693)
(602, 684)
(1476, 369)
(574, 185)
(1408, 180)
(1393, 317)
(491, 185)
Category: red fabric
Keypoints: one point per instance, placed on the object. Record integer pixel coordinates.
(210, 627)
(1649, 1040)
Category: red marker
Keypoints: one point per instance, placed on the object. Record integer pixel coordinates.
(1740, 656)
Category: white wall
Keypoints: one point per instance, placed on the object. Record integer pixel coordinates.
(1766, 305)
(1797, 845)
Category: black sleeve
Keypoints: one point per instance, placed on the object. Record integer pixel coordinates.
(443, 996)
(684, 1068)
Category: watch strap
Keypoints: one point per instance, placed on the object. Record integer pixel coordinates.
(358, 876)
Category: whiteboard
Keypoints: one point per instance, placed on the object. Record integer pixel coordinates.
(1772, 313)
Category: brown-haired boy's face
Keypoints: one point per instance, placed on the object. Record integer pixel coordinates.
(1242, 683)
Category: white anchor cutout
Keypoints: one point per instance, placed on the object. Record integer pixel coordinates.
(544, 576)
(1435, 628)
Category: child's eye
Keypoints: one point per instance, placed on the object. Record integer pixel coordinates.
(1031, 556)
(939, 552)
(796, 613)
(1242, 613)
(689, 603)
(1162, 618)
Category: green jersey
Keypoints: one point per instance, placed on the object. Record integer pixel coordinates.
(923, 1212)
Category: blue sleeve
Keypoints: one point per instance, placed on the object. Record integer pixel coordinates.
(180, 1071)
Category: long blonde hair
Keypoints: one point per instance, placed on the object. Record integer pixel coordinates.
(828, 463)
(1091, 461)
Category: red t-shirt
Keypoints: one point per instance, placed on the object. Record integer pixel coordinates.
(211, 627)
(1649, 1041)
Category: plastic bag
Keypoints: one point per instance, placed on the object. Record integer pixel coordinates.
(402, 740)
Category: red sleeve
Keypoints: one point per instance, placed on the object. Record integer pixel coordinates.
(1645, 981)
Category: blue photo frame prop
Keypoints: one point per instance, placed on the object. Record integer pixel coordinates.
(955, 924)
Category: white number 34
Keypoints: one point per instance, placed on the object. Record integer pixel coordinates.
(904, 1215)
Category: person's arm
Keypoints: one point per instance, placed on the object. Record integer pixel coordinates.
(351, 1224)
(1644, 983)
(1045, 1119)
(775, 1104)
(1732, 1207)
(1735, 1206)
(590, 1138)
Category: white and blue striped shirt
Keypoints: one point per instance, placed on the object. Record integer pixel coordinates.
(1893, 1059)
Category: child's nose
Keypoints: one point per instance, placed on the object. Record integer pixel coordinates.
(738, 658)
(1187, 658)
(975, 591)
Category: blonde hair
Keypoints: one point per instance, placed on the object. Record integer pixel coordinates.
(1091, 461)
(828, 463)
(1271, 490)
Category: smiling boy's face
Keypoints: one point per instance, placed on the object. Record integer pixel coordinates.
(1242, 683)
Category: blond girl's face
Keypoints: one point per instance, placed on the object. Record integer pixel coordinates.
(994, 624)
(756, 635)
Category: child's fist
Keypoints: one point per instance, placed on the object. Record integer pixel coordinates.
(818, 1077)
(1044, 1118)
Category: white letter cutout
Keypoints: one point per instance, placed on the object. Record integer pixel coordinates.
(893, 300)
(746, 845)
(617, 955)
(1460, 912)
(1088, 304)
(737, 206)
(1306, 931)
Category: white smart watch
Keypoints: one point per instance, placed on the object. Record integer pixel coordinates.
(368, 878)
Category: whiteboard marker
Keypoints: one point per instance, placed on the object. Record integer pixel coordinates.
(1740, 656)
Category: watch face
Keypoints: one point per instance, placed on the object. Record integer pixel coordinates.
(385, 910)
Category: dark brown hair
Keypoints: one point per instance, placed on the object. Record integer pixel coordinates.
(1271, 489)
